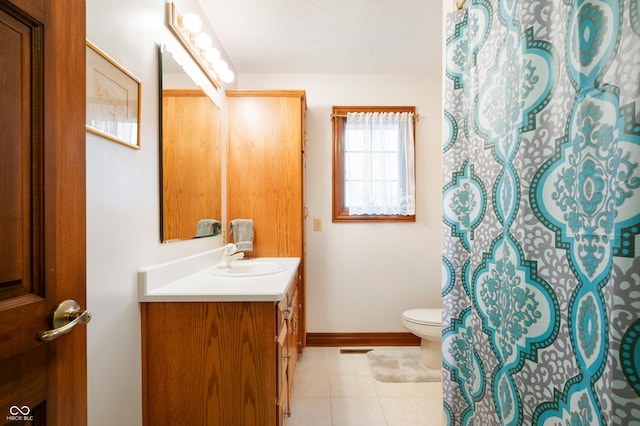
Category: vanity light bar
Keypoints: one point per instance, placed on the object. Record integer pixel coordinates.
(199, 45)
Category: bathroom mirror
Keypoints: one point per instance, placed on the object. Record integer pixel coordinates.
(190, 156)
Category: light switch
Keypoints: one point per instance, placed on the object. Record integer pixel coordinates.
(317, 224)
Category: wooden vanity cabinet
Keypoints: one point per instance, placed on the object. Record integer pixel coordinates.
(219, 363)
(233, 363)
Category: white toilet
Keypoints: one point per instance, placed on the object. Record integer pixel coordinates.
(426, 323)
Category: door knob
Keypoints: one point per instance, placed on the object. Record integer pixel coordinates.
(66, 315)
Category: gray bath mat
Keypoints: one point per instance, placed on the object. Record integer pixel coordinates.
(399, 365)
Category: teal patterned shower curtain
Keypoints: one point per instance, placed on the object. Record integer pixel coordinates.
(541, 212)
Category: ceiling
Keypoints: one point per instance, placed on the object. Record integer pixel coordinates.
(329, 36)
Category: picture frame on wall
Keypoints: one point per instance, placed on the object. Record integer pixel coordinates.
(113, 99)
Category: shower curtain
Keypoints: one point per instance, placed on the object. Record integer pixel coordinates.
(541, 212)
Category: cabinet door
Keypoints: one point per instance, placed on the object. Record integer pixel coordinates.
(213, 364)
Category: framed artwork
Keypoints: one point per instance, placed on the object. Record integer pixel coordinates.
(113, 99)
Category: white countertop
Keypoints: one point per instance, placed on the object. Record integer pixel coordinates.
(191, 280)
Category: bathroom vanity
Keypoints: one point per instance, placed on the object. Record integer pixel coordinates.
(219, 350)
(222, 350)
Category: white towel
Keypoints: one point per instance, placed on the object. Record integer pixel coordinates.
(242, 232)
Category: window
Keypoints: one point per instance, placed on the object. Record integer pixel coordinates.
(373, 164)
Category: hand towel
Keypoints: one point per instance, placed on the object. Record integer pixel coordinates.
(208, 227)
(242, 232)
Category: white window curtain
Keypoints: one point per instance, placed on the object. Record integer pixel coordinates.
(379, 163)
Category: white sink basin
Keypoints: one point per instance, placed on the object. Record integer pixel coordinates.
(249, 268)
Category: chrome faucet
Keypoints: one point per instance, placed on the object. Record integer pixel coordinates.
(230, 255)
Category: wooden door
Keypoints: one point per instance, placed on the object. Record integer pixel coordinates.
(42, 208)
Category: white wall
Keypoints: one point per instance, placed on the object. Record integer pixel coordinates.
(361, 276)
(123, 218)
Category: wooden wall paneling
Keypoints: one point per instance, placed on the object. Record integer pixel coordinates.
(264, 169)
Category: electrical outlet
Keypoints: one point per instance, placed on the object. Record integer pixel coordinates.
(317, 224)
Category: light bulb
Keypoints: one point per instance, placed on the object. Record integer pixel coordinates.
(220, 66)
(227, 76)
(212, 55)
(192, 22)
(203, 41)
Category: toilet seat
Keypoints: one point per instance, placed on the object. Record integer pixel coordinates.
(424, 316)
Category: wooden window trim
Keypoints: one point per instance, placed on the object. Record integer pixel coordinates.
(340, 212)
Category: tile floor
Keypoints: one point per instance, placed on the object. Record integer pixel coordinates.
(334, 389)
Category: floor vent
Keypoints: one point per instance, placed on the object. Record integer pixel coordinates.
(355, 351)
